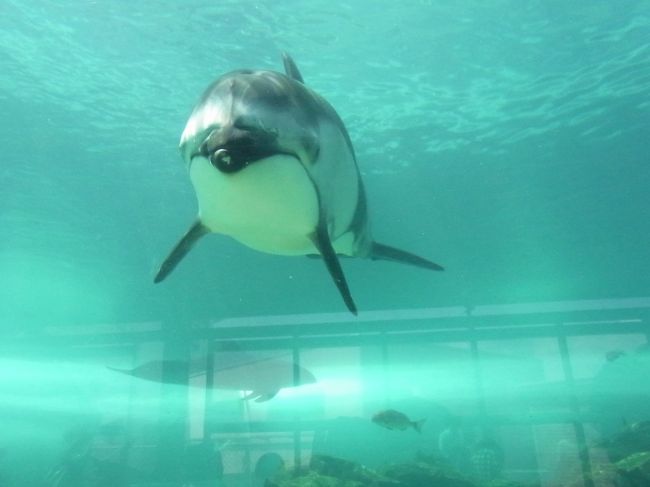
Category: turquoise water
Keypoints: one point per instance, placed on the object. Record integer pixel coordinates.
(506, 140)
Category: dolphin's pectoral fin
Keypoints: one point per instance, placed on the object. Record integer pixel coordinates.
(252, 395)
(290, 68)
(384, 252)
(267, 396)
(196, 231)
(321, 240)
(318, 256)
(260, 396)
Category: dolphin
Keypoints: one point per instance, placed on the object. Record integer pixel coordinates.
(273, 166)
(262, 377)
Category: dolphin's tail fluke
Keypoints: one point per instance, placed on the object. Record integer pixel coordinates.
(385, 252)
(196, 231)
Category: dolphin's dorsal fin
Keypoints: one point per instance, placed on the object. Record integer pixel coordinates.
(291, 69)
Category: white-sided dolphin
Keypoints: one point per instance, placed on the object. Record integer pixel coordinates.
(273, 167)
(263, 377)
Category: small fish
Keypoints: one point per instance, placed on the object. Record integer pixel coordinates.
(394, 420)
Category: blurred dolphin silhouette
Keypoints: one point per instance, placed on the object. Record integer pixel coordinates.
(263, 377)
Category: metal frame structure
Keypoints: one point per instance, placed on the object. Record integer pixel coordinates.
(557, 320)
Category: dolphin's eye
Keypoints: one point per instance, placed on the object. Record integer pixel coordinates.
(234, 148)
(223, 161)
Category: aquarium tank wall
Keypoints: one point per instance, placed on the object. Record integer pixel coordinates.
(205, 212)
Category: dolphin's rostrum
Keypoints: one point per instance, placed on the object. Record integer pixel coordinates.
(273, 167)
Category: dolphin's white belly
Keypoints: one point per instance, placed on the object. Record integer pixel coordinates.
(270, 206)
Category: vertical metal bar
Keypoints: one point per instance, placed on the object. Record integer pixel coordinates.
(130, 414)
(209, 387)
(173, 424)
(297, 433)
(130, 422)
(478, 375)
(578, 427)
(385, 363)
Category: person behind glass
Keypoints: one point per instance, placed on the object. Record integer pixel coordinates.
(266, 468)
(487, 459)
(451, 443)
(203, 465)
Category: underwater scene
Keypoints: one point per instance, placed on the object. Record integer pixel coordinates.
(286, 243)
